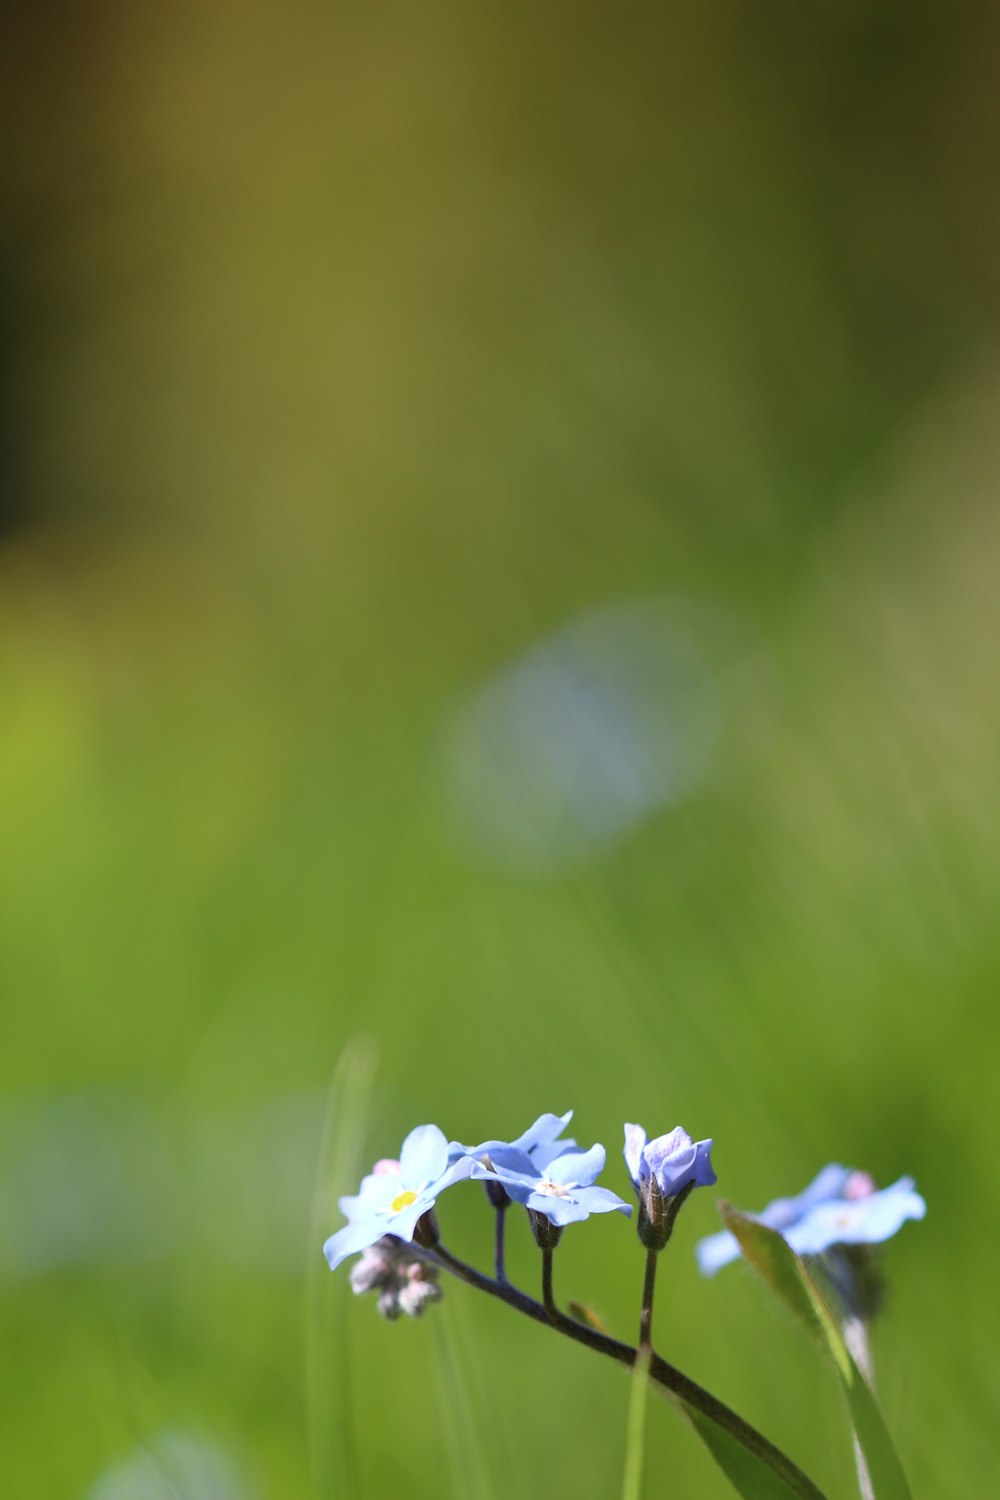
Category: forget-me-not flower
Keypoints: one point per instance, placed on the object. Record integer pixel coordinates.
(562, 1191)
(839, 1207)
(396, 1194)
(540, 1141)
(661, 1170)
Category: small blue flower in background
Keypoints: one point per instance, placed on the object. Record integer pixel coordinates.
(397, 1193)
(562, 1190)
(839, 1207)
(540, 1141)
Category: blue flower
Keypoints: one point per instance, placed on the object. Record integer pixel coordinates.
(396, 1194)
(662, 1170)
(672, 1161)
(562, 1191)
(839, 1207)
(540, 1141)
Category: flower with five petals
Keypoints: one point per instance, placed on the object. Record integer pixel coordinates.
(396, 1194)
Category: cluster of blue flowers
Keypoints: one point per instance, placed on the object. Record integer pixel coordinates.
(548, 1174)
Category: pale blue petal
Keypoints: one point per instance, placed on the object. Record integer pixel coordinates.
(665, 1147)
(403, 1223)
(704, 1173)
(862, 1221)
(485, 1148)
(457, 1172)
(577, 1166)
(827, 1186)
(543, 1155)
(545, 1130)
(377, 1191)
(716, 1251)
(512, 1159)
(598, 1200)
(635, 1140)
(674, 1166)
(518, 1185)
(424, 1156)
(351, 1239)
(557, 1210)
(538, 1137)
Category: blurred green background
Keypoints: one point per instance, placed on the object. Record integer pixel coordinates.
(498, 545)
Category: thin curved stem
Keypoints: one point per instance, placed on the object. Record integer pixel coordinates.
(548, 1299)
(646, 1316)
(666, 1375)
(499, 1259)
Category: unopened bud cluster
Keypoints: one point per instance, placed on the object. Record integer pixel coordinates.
(404, 1282)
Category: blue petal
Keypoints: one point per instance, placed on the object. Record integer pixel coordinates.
(557, 1210)
(404, 1223)
(577, 1166)
(704, 1173)
(519, 1185)
(827, 1186)
(512, 1159)
(676, 1160)
(543, 1155)
(863, 1221)
(538, 1137)
(485, 1148)
(457, 1172)
(424, 1156)
(598, 1200)
(635, 1140)
(716, 1251)
(544, 1131)
(377, 1191)
(351, 1239)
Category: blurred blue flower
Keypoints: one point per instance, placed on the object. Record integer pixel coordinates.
(540, 1141)
(562, 1191)
(672, 1161)
(397, 1193)
(839, 1207)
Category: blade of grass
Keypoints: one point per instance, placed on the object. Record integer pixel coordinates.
(635, 1431)
(468, 1431)
(331, 1437)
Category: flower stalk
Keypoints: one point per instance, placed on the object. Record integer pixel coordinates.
(646, 1316)
(662, 1373)
(499, 1251)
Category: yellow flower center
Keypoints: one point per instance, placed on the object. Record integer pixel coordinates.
(402, 1200)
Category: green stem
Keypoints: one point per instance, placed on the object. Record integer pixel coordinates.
(664, 1374)
(646, 1316)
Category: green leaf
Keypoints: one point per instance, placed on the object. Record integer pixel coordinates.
(774, 1260)
(749, 1475)
(331, 1428)
(755, 1468)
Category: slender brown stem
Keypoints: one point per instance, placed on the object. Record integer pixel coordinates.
(672, 1380)
(646, 1316)
(548, 1299)
(499, 1261)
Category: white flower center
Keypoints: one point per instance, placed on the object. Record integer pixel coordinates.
(554, 1189)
